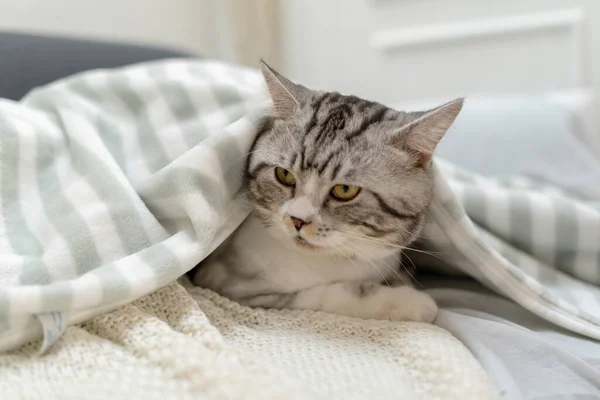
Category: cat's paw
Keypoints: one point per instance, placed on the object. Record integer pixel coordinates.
(405, 304)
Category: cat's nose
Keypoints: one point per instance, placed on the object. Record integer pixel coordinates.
(299, 223)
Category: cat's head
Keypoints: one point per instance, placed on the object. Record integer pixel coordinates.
(339, 174)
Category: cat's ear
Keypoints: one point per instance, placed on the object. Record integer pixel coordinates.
(422, 135)
(287, 96)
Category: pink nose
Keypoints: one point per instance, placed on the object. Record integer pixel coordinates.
(298, 223)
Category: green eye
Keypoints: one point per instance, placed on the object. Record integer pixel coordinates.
(345, 192)
(284, 176)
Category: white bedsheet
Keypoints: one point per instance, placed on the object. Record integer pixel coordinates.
(525, 356)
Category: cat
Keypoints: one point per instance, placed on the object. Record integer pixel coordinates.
(338, 187)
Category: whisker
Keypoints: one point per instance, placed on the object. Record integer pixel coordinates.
(411, 261)
(408, 271)
(362, 256)
(399, 275)
(388, 244)
(248, 202)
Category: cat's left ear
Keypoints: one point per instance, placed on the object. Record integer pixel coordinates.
(287, 96)
(422, 135)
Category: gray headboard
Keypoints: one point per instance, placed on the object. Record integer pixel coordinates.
(27, 61)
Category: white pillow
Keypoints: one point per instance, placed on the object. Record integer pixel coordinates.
(546, 137)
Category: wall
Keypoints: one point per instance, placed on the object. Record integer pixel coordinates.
(401, 50)
(241, 31)
(185, 24)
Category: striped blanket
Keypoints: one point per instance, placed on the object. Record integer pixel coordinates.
(115, 183)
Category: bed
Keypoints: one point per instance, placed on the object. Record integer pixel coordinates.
(523, 355)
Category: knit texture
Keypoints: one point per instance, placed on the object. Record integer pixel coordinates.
(175, 344)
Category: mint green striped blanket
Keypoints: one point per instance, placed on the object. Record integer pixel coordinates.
(114, 183)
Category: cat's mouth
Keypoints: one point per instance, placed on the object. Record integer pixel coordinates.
(300, 241)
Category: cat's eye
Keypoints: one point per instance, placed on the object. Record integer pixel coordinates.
(345, 192)
(284, 176)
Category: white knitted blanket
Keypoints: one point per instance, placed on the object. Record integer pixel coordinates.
(175, 344)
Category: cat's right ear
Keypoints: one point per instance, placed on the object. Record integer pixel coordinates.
(287, 96)
(422, 135)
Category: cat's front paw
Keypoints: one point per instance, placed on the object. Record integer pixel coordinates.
(405, 304)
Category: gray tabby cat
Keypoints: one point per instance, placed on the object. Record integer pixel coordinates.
(339, 186)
